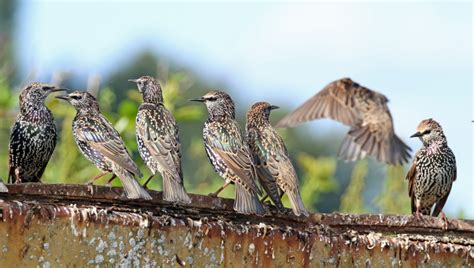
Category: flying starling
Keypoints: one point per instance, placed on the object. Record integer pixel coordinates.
(158, 140)
(101, 143)
(33, 136)
(433, 171)
(229, 153)
(272, 162)
(365, 111)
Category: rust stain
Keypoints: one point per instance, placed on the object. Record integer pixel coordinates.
(66, 225)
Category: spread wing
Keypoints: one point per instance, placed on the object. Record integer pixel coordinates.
(162, 141)
(228, 145)
(106, 140)
(336, 101)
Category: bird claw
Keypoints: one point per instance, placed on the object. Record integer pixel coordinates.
(213, 195)
(90, 188)
(445, 221)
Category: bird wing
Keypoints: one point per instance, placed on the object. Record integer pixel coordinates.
(411, 177)
(106, 140)
(162, 141)
(335, 101)
(227, 143)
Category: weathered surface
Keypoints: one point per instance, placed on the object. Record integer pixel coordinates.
(66, 225)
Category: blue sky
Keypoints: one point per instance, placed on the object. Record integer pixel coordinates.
(418, 54)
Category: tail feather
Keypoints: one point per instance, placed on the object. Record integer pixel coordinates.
(247, 202)
(133, 190)
(297, 203)
(173, 191)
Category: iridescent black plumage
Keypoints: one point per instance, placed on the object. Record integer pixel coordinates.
(158, 140)
(433, 171)
(101, 143)
(33, 136)
(228, 152)
(272, 162)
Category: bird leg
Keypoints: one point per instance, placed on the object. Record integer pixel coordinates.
(147, 181)
(17, 175)
(417, 213)
(97, 177)
(445, 220)
(264, 198)
(220, 189)
(111, 179)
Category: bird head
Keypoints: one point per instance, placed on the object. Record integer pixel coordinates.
(149, 88)
(428, 131)
(259, 113)
(81, 100)
(37, 93)
(219, 104)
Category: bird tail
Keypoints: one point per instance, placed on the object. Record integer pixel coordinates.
(247, 202)
(173, 190)
(399, 151)
(3, 188)
(297, 203)
(133, 190)
(350, 150)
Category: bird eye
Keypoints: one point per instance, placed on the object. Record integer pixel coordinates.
(212, 99)
(428, 131)
(76, 97)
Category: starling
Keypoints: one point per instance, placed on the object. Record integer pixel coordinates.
(158, 140)
(365, 111)
(433, 171)
(33, 136)
(229, 153)
(270, 156)
(101, 143)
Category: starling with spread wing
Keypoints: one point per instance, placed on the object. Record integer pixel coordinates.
(229, 153)
(365, 111)
(33, 136)
(158, 140)
(102, 145)
(272, 162)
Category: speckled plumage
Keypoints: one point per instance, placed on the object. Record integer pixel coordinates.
(365, 111)
(272, 162)
(101, 144)
(33, 136)
(433, 171)
(228, 152)
(158, 140)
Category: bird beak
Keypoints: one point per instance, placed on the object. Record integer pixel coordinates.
(200, 99)
(132, 80)
(417, 134)
(274, 107)
(63, 97)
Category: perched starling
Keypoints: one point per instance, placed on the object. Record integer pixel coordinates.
(158, 140)
(229, 153)
(433, 171)
(272, 162)
(365, 111)
(33, 136)
(101, 143)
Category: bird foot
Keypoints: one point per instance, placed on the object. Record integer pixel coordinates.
(445, 221)
(213, 195)
(90, 187)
